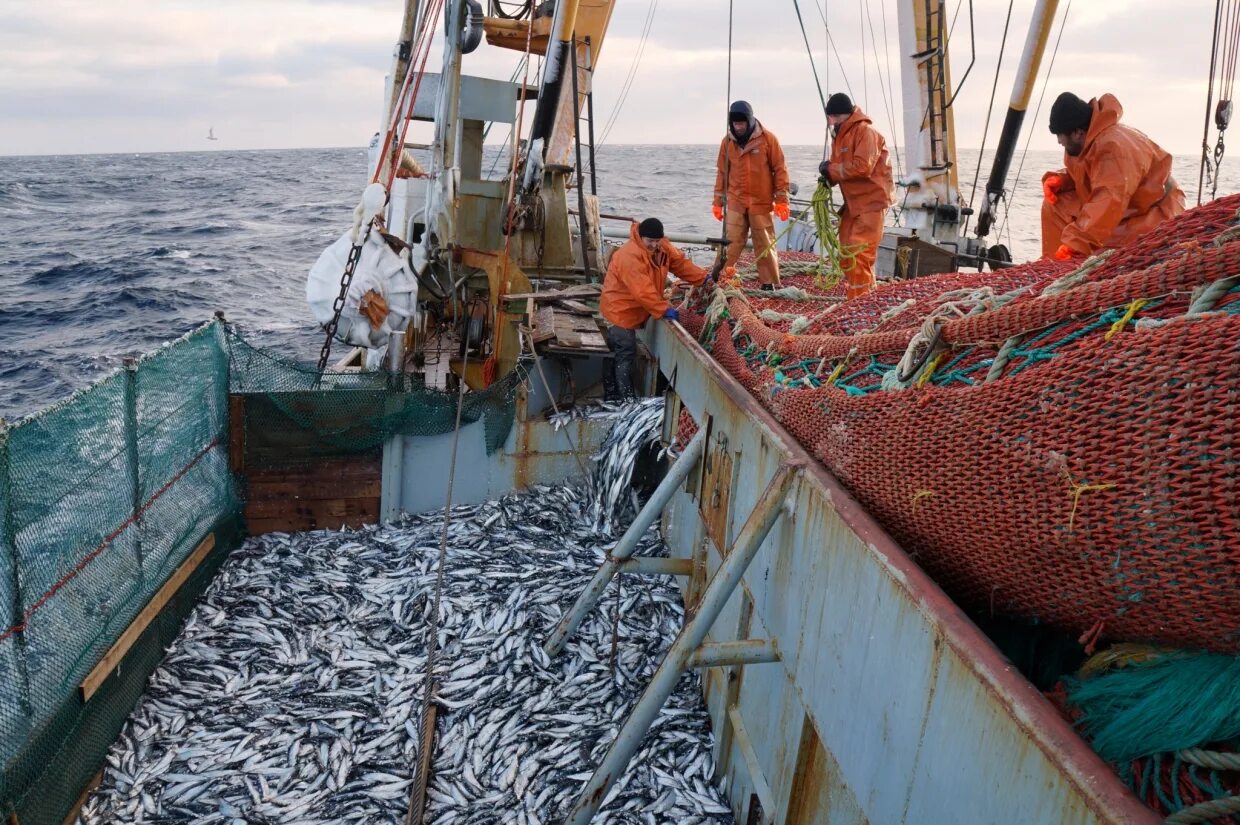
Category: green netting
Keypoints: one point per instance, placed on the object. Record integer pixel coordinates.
(352, 412)
(101, 497)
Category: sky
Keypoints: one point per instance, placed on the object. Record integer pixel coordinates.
(81, 76)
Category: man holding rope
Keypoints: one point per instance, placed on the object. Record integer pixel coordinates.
(859, 164)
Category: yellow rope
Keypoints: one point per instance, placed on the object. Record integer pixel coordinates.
(1132, 310)
(1077, 490)
(919, 496)
(929, 370)
(1119, 655)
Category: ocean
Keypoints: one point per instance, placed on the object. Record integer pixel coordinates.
(104, 256)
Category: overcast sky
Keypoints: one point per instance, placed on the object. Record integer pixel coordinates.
(128, 76)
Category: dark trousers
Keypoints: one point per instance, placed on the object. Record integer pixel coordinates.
(618, 374)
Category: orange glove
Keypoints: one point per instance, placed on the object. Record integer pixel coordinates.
(1050, 186)
(1066, 253)
(781, 210)
(717, 211)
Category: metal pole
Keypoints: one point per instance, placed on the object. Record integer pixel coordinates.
(590, 115)
(582, 223)
(720, 589)
(131, 458)
(627, 544)
(657, 566)
(8, 545)
(1022, 90)
(726, 654)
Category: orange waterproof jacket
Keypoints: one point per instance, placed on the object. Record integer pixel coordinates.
(1121, 178)
(756, 174)
(633, 287)
(859, 164)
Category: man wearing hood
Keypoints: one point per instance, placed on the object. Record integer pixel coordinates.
(752, 179)
(1116, 185)
(633, 292)
(859, 164)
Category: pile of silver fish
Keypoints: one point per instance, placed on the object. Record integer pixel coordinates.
(639, 424)
(293, 693)
(585, 412)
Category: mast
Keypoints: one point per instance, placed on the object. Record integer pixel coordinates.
(1022, 90)
(562, 27)
(931, 207)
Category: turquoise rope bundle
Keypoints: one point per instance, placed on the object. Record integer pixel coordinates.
(1170, 703)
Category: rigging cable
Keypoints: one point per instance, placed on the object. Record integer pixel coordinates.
(831, 40)
(1229, 35)
(884, 85)
(1033, 122)
(1204, 172)
(628, 80)
(804, 36)
(990, 108)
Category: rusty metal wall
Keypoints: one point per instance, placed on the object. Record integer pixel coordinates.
(534, 452)
(889, 705)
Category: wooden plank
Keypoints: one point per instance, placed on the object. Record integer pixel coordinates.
(359, 469)
(100, 672)
(593, 340)
(544, 324)
(283, 490)
(327, 507)
(236, 433)
(90, 785)
(309, 520)
(575, 306)
(565, 333)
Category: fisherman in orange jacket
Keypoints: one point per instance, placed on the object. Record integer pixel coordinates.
(752, 178)
(859, 164)
(1116, 185)
(632, 292)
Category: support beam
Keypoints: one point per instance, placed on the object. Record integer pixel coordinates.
(725, 654)
(657, 566)
(101, 671)
(627, 544)
(663, 683)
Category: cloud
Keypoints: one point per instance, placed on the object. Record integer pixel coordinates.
(86, 76)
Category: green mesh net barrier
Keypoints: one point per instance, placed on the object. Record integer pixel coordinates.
(348, 412)
(104, 495)
(101, 497)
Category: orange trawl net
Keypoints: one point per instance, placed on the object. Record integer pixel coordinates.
(1054, 441)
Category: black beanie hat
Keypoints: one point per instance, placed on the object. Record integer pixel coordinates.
(1069, 113)
(839, 104)
(739, 109)
(650, 228)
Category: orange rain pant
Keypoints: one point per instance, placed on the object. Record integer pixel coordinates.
(863, 230)
(1068, 205)
(761, 226)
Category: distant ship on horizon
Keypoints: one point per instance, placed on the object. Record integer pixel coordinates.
(211, 133)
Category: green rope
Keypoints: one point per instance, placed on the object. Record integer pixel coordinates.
(833, 256)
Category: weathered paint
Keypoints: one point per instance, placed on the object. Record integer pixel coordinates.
(535, 452)
(915, 716)
(724, 654)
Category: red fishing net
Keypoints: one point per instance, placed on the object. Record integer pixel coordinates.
(1054, 441)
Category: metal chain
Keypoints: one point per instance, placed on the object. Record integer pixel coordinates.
(346, 278)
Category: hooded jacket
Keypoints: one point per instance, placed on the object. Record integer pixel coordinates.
(1123, 180)
(756, 174)
(859, 164)
(633, 287)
